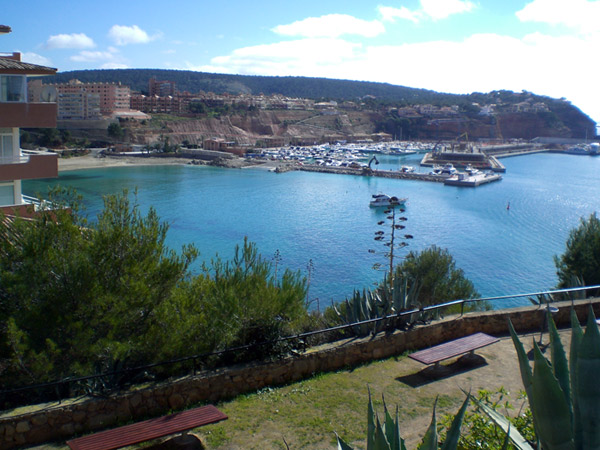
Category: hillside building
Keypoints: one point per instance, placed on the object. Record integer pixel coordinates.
(77, 100)
(162, 88)
(17, 112)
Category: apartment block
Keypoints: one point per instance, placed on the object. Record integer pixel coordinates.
(17, 112)
(77, 100)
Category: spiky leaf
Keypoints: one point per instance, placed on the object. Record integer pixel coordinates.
(381, 442)
(342, 445)
(587, 388)
(551, 414)
(430, 440)
(560, 364)
(370, 425)
(576, 338)
(453, 435)
(526, 374)
(517, 439)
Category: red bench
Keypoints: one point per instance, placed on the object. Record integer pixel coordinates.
(441, 352)
(148, 429)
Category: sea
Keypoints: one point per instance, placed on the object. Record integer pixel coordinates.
(503, 235)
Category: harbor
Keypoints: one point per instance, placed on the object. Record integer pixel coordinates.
(451, 164)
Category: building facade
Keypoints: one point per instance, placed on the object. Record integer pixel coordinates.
(17, 112)
(162, 88)
(77, 100)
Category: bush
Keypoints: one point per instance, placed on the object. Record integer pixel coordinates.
(581, 259)
(440, 280)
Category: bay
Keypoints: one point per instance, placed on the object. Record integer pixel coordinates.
(324, 219)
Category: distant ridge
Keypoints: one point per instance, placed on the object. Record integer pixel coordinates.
(557, 118)
(305, 87)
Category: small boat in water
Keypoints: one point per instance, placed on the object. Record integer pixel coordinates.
(386, 200)
(472, 170)
(447, 170)
(584, 149)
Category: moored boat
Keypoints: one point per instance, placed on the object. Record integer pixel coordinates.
(386, 200)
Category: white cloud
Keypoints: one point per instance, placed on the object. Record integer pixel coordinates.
(390, 14)
(114, 65)
(582, 15)
(123, 35)
(441, 9)
(430, 9)
(331, 26)
(88, 56)
(34, 58)
(480, 63)
(75, 40)
(286, 58)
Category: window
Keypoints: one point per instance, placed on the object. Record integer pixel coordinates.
(6, 147)
(7, 194)
(13, 88)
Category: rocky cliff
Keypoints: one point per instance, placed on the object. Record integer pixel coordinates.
(304, 126)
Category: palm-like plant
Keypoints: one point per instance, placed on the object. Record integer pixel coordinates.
(386, 435)
(564, 396)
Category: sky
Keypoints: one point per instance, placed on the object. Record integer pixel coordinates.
(548, 47)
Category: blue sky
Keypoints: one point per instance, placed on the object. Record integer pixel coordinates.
(548, 47)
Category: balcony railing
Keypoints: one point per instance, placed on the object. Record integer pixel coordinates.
(29, 166)
(22, 159)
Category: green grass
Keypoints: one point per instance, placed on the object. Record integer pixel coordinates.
(309, 413)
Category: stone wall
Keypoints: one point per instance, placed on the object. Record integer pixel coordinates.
(62, 422)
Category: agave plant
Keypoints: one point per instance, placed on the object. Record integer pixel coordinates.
(383, 301)
(386, 435)
(564, 396)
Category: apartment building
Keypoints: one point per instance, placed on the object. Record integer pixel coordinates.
(82, 100)
(17, 112)
(162, 88)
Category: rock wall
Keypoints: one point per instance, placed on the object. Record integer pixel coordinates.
(63, 422)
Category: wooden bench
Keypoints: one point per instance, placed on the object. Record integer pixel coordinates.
(148, 429)
(441, 352)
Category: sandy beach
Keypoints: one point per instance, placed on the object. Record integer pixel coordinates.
(94, 162)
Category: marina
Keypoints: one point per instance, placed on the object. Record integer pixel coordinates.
(474, 166)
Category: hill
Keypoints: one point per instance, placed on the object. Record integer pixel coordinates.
(398, 110)
(300, 87)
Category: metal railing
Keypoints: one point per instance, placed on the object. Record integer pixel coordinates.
(199, 360)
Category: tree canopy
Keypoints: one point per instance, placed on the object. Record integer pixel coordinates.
(440, 280)
(80, 297)
(580, 263)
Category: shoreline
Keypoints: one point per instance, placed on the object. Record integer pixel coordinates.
(94, 162)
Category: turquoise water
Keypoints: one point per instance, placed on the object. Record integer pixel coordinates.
(326, 218)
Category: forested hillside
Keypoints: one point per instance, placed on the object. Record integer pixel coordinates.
(302, 87)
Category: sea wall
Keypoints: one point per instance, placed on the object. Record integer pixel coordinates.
(60, 422)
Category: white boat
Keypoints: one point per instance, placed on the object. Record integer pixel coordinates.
(407, 169)
(386, 200)
(449, 169)
(583, 149)
(472, 170)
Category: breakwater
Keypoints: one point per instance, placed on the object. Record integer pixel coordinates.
(361, 172)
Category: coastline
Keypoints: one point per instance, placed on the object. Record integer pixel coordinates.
(94, 162)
